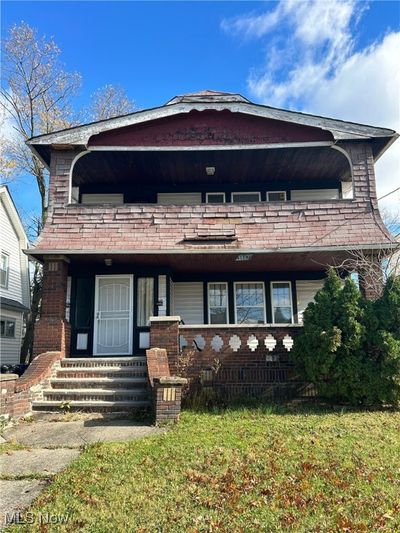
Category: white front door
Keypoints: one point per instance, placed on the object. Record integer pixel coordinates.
(113, 319)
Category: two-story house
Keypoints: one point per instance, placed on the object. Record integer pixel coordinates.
(208, 222)
(14, 280)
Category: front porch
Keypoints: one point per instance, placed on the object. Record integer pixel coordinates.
(230, 330)
(102, 307)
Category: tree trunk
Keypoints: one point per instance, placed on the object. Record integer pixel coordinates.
(36, 298)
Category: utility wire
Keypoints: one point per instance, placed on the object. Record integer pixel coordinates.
(351, 219)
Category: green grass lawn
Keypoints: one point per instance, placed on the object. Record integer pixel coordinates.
(261, 469)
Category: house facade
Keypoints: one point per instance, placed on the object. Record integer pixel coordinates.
(203, 225)
(14, 282)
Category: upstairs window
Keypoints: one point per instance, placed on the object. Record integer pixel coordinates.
(215, 198)
(4, 270)
(218, 303)
(241, 197)
(7, 328)
(250, 303)
(103, 198)
(276, 196)
(281, 300)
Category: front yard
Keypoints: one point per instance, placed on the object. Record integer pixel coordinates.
(265, 469)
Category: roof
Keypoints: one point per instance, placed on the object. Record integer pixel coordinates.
(208, 95)
(226, 228)
(12, 212)
(79, 136)
(12, 305)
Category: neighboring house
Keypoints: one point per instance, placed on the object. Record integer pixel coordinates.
(212, 209)
(14, 284)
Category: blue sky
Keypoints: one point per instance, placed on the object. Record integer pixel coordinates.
(321, 57)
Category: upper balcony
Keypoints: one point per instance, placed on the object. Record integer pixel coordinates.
(213, 173)
(194, 177)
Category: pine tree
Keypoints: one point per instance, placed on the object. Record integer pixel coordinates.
(315, 349)
(383, 344)
(350, 347)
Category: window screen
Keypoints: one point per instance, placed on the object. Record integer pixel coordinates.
(249, 303)
(218, 303)
(215, 197)
(7, 328)
(276, 196)
(281, 295)
(4, 270)
(238, 197)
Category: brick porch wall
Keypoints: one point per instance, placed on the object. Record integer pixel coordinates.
(17, 393)
(166, 389)
(250, 369)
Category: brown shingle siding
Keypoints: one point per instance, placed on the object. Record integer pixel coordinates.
(264, 225)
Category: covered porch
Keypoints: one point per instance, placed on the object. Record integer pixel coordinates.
(101, 305)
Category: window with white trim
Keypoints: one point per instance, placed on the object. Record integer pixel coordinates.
(250, 303)
(4, 270)
(215, 198)
(276, 196)
(7, 328)
(238, 197)
(281, 302)
(218, 303)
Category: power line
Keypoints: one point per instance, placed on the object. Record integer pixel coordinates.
(351, 220)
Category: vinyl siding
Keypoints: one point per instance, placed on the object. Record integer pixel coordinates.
(314, 194)
(10, 348)
(162, 295)
(114, 198)
(306, 291)
(9, 244)
(347, 189)
(174, 198)
(188, 301)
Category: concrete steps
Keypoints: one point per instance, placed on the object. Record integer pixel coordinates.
(97, 384)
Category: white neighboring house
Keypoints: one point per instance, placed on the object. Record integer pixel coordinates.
(14, 279)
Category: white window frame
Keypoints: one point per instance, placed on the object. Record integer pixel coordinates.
(227, 300)
(223, 194)
(272, 301)
(6, 319)
(276, 192)
(7, 256)
(245, 192)
(256, 306)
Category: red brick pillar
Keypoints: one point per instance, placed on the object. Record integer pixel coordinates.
(52, 332)
(167, 398)
(164, 333)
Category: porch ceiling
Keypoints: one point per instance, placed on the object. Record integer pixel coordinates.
(188, 167)
(210, 263)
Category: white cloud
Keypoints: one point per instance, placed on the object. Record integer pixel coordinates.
(312, 65)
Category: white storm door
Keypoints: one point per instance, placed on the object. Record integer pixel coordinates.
(113, 320)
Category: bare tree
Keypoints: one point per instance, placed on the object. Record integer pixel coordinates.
(8, 165)
(109, 101)
(36, 97)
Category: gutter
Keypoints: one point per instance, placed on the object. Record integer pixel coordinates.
(237, 251)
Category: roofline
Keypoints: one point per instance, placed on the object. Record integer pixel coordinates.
(237, 251)
(386, 132)
(28, 141)
(13, 214)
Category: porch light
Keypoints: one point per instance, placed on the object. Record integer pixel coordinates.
(108, 262)
(210, 171)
